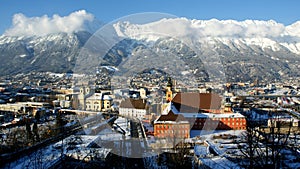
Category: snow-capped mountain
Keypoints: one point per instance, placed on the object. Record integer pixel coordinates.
(53, 52)
(265, 34)
(241, 50)
(245, 49)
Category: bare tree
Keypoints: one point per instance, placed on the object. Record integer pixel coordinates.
(262, 146)
(181, 156)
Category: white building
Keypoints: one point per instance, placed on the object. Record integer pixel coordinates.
(91, 101)
(134, 108)
(98, 102)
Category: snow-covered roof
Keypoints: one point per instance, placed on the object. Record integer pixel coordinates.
(99, 96)
(212, 115)
(107, 97)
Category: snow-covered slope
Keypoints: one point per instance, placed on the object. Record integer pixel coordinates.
(243, 50)
(265, 34)
(53, 52)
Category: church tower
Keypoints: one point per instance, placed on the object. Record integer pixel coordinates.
(169, 90)
(81, 98)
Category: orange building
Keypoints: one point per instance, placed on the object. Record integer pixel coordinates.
(209, 121)
(204, 111)
(171, 126)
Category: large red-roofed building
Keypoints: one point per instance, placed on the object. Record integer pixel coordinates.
(203, 111)
(171, 126)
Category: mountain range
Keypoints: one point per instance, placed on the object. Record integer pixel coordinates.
(205, 50)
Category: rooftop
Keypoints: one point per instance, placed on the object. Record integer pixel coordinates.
(171, 117)
(134, 104)
(99, 96)
(194, 102)
(211, 115)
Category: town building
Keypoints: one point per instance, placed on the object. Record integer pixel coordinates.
(210, 121)
(171, 125)
(138, 93)
(89, 100)
(98, 102)
(283, 122)
(134, 108)
(206, 111)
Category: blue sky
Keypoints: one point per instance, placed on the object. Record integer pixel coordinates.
(282, 11)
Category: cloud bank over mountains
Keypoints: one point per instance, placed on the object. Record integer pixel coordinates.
(39, 26)
(181, 27)
(178, 27)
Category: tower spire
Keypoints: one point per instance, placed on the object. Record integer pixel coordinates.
(169, 90)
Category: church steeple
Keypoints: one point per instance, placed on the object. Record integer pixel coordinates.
(169, 90)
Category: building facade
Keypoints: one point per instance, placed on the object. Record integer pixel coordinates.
(208, 121)
(98, 102)
(91, 101)
(205, 111)
(171, 126)
(134, 108)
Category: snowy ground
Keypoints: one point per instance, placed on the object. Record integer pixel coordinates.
(115, 139)
(76, 146)
(215, 148)
(223, 144)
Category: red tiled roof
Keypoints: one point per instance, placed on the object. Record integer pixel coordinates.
(171, 117)
(196, 102)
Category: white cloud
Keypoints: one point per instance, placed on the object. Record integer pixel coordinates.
(39, 26)
(182, 27)
(176, 27)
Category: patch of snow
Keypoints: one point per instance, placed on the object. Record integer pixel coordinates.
(274, 58)
(22, 56)
(111, 68)
(185, 72)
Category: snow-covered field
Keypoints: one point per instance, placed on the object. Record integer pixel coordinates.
(214, 147)
(76, 146)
